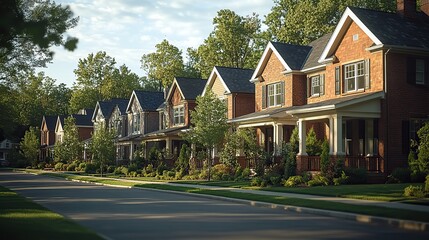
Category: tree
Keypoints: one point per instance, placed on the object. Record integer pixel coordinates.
(228, 155)
(98, 79)
(28, 29)
(289, 152)
(420, 165)
(164, 64)
(30, 146)
(232, 43)
(208, 123)
(103, 147)
(314, 146)
(300, 22)
(70, 148)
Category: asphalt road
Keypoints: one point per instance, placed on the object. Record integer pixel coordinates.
(118, 213)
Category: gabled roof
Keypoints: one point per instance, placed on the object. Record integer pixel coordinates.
(235, 80)
(382, 28)
(317, 47)
(50, 122)
(148, 101)
(104, 107)
(122, 105)
(82, 120)
(189, 88)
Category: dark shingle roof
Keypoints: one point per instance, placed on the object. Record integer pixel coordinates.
(122, 104)
(393, 29)
(149, 101)
(83, 120)
(51, 121)
(317, 47)
(191, 87)
(237, 79)
(106, 108)
(293, 55)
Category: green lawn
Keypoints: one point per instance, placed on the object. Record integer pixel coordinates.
(23, 219)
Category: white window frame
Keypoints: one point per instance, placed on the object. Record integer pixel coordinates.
(353, 73)
(179, 115)
(420, 71)
(315, 84)
(274, 94)
(136, 122)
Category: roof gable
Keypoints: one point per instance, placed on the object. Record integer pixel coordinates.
(146, 100)
(232, 79)
(49, 122)
(189, 88)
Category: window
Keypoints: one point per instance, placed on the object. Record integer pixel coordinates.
(275, 94)
(354, 76)
(420, 71)
(179, 115)
(136, 122)
(315, 85)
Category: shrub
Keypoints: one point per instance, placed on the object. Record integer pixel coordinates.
(133, 167)
(356, 175)
(124, 170)
(41, 165)
(256, 181)
(427, 184)
(324, 161)
(343, 179)
(149, 169)
(132, 174)
(219, 170)
(306, 176)
(314, 146)
(238, 172)
(246, 173)
(402, 175)
(71, 167)
(418, 177)
(118, 170)
(160, 169)
(318, 180)
(90, 168)
(294, 181)
(414, 191)
(58, 166)
(65, 166)
(110, 169)
(275, 180)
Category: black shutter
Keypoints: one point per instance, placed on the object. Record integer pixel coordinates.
(308, 87)
(337, 80)
(322, 84)
(411, 70)
(367, 74)
(343, 79)
(405, 136)
(264, 96)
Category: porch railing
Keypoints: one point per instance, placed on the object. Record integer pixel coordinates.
(370, 163)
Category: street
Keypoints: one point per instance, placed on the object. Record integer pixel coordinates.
(119, 213)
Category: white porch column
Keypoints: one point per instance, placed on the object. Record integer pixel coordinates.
(331, 135)
(168, 144)
(338, 132)
(131, 151)
(369, 137)
(278, 138)
(302, 137)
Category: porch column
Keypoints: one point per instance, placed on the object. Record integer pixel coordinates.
(278, 138)
(369, 135)
(131, 151)
(168, 144)
(338, 132)
(302, 137)
(331, 135)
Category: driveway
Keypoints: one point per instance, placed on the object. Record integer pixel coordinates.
(119, 213)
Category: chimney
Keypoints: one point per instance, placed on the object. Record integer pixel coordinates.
(406, 8)
(424, 6)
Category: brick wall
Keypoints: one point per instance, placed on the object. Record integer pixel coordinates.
(244, 104)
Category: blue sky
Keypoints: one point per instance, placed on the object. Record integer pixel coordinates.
(127, 29)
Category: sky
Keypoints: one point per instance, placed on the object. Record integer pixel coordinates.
(127, 29)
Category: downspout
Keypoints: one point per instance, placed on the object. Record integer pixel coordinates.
(386, 154)
(234, 106)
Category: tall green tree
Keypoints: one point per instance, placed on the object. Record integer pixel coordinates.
(30, 146)
(103, 147)
(164, 64)
(232, 43)
(28, 29)
(208, 123)
(98, 79)
(300, 22)
(70, 148)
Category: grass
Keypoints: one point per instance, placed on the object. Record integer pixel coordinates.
(23, 219)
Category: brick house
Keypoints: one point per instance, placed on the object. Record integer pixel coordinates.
(47, 137)
(232, 86)
(142, 118)
(364, 88)
(174, 116)
(83, 124)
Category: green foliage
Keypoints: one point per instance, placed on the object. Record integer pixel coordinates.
(234, 42)
(325, 162)
(343, 179)
(160, 169)
(414, 191)
(427, 184)
(58, 166)
(182, 163)
(222, 172)
(102, 147)
(70, 148)
(228, 155)
(289, 151)
(294, 181)
(300, 22)
(318, 180)
(164, 64)
(90, 168)
(30, 146)
(400, 175)
(356, 175)
(314, 146)
(154, 156)
(423, 149)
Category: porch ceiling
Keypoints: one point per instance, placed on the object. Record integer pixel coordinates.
(268, 116)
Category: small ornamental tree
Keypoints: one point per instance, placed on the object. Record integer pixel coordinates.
(208, 124)
(30, 146)
(103, 148)
(228, 156)
(70, 148)
(325, 167)
(289, 152)
(313, 145)
(182, 163)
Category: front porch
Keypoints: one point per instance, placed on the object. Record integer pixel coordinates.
(372, 164)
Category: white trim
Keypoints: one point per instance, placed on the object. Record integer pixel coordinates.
(171, 90)
(248, 118)
(320, 67)
(212, 78)
(342, 26)
(269, 49)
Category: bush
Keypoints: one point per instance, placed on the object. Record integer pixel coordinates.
(246, 173)
(414, 191)
(418, 177)
(124, 171)
(294, 181)
(356, 175)
(90, 168)
(401, 175)
(58, 166)
(318, 180)
(219, 170)
(72, 167)
(160, 169)
(275, 180)
(343, 179)
(110, 169)
(81, 167)
(41, 165)
(133, 167)
(306, 176)
(256, 181)
(427, 184)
